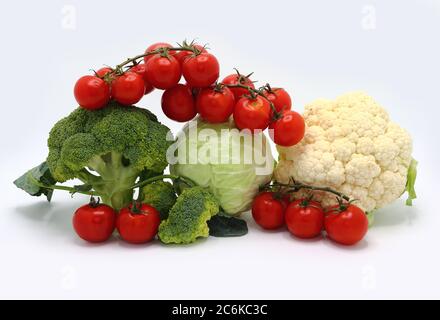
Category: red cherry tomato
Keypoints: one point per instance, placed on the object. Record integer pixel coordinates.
(128, 88)
(215, 106)
(157, 46)
(267, 211)
(141, 69)
(288, 130)
(201, 71)
(178, 103)
(305, 218)
(234, 79)
(280, 99)
(94, 222)
(103, 72)
(91, 92)
(163, 72)
(252, 113)
(182, 55)
(138, 226)
(347, 227)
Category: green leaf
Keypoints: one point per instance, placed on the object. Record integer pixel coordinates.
(411, 181)
(225, 226)
(32, 181)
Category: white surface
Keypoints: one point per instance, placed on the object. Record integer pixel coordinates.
(314, 49)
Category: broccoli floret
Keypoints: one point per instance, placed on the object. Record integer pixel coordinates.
(160, 195)
(188, 217)
(108, 149)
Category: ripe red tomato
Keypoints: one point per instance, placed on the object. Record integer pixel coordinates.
(103, 71)
(215, 106)
(138, 225)
(288, 130)
(182, 55)
(305, 218)
(163, 72)
(280, 99)
(141, 69)
(252, 113)
(178, 103)
(234, 79)
(347, 227)
(91, 92)
(94, 222)
(128, 88)
(201, 71)
(267, 211)
(155, 46)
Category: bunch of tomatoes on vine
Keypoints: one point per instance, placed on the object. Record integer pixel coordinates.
(305, 218)
(162, 66)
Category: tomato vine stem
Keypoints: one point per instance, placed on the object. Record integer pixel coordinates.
(190, 48)
(295, 187)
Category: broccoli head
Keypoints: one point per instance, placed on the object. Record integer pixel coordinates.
(108, 149)
(160, 195)
(188, 217)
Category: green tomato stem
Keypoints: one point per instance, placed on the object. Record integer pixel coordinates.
(156, 51)
(295, 187)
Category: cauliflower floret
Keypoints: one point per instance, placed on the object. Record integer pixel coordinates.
(350, 145)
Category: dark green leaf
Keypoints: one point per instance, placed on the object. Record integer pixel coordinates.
(32, 180)
(224, 226)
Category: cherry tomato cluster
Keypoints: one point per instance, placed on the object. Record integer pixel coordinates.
(137, 223)
(163, 67)
(344, 223)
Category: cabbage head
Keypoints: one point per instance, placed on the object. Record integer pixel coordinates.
(232, 164)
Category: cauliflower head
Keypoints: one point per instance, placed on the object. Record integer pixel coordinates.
(351, 146)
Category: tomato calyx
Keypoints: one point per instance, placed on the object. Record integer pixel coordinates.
(254, 93)
(341, 206)
(219, 87)
(278, 195)
(307, 202)
(243, 79)
(135, 207)
(94, 203)
(268, 88)
(276, 115)
(192, 46)
(164, 52)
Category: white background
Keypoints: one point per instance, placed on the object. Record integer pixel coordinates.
(314, 49)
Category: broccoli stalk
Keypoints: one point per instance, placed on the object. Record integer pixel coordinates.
(115, 181)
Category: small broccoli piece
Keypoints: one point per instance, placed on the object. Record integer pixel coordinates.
(108, 149)
(188, 217)
(160, 195)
